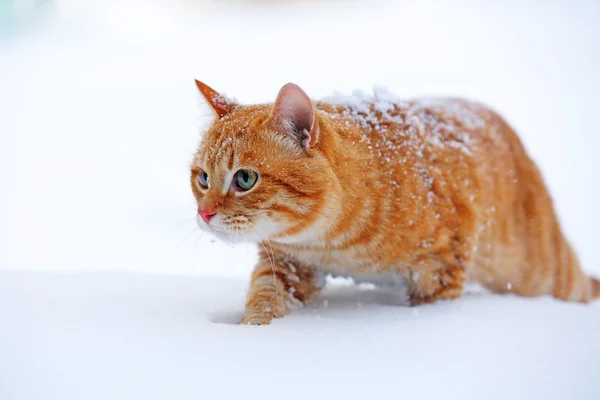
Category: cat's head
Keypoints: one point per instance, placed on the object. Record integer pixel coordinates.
(260, 171)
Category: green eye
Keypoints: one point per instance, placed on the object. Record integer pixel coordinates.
(203, 179)
(245, 179)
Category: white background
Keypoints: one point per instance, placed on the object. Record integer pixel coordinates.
(100, 115)
(99, 118)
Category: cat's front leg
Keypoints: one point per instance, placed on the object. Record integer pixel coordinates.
(434, 278)
(277, 284)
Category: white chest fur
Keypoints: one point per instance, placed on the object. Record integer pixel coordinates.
(347, 264)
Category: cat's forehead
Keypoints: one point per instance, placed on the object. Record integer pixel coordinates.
(243, 119)
(219, 151)
(244, 139)
(233, 138)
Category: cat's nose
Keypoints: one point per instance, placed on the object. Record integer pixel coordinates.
(206, 214)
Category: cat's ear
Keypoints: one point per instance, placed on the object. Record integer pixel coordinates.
(294, 115)
(218, 103)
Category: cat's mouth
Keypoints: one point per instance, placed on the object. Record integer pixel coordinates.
(239, 228)
(229, 229)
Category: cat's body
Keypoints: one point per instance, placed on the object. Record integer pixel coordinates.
(433, 192)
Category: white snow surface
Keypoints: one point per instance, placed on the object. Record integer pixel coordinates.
(100, 336)
(107, 289)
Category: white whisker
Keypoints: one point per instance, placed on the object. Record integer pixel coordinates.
(196, 248)
(185, 238)
(270, 257)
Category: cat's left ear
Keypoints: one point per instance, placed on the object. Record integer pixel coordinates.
(220, 105)
(294, 115)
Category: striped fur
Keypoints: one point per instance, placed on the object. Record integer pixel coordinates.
(434, 192)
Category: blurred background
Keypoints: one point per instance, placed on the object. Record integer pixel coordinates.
(99, 116)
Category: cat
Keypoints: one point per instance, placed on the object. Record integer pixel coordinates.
(431, 192)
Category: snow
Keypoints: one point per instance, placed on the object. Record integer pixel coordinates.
(107, 288)
(118, 336)
(421, 117)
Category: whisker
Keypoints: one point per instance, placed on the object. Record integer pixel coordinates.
(185, 221)
(305, 208)
(235, 231)
(196, 248)
(186, 238)
(271, 260)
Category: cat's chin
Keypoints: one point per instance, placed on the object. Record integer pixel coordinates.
(233, 237)
(238, 236)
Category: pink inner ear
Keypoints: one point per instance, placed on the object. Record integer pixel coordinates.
(294, 113)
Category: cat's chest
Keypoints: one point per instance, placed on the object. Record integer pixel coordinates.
(348, 263)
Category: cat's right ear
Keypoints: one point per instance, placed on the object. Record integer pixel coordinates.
(220, 105)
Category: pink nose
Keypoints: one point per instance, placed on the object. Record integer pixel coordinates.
(206, 215)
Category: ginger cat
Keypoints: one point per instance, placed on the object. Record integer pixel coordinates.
(431, 192)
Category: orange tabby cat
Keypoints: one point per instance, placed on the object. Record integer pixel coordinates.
(431, 192)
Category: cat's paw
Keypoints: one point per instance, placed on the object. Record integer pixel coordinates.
(257, 319)
(445, 294)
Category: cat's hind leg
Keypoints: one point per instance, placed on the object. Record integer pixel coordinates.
(276, 286)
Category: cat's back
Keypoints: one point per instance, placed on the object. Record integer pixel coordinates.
(447, 162)
(420, 131)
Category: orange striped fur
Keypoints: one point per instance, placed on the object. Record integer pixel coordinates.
(432, 193)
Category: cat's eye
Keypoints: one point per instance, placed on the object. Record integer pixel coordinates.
(245, 179)
(203, 179)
